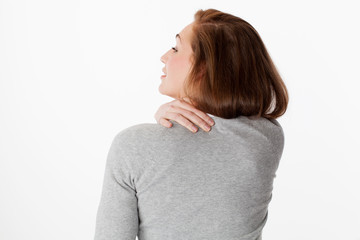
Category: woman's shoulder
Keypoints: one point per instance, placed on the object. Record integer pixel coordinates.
(138, 131)
(150, 133)
(141, 144)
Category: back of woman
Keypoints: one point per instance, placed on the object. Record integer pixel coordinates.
(169, 183)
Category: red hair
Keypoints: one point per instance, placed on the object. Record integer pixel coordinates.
(232, 72)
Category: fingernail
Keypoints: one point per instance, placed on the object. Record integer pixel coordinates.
(207, 128)
(194, 128)
(211, 122)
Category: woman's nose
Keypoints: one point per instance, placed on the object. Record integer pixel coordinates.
(164, 57)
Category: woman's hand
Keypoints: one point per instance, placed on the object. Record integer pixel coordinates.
(185, 114)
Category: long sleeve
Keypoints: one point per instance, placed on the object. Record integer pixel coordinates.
(117, 215)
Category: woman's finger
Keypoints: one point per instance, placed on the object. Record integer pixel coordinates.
(196, 116)
(179, 118)
(183, 112)
(186, 104)
(165, 122)
(186, 118)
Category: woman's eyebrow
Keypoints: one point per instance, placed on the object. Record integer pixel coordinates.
(177, 35)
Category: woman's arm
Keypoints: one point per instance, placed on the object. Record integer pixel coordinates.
(117, 214)
(185, 114)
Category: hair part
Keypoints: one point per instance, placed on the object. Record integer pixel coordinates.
(232, 72)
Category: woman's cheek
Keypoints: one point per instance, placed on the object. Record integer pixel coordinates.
(182, 66)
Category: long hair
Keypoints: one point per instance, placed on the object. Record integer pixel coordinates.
(232, 73)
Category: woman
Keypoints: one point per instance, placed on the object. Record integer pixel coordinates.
(168, 183)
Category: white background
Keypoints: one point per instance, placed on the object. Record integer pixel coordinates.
(73, 73)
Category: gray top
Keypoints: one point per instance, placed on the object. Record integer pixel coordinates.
(171, 184)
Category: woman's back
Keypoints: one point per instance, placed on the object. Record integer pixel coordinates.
(168, 183)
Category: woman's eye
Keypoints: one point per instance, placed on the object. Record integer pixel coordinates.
(175, 50)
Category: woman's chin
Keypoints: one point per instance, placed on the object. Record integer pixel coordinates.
(163, 92)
